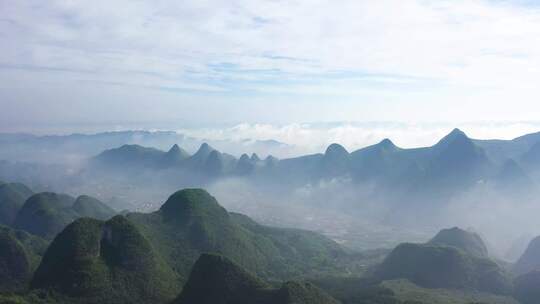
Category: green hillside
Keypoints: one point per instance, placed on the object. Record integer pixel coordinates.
(88, 206)
(467, 241)
(192, 222)
(46, 214)
(12, 198)
(20, 253)
(408, 292)
(92, 261)
(217, 280)
(435, 266)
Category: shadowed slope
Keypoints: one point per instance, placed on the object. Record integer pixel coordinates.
(217, 280)
(469, 242)
(435, 266)
(530, 259)
(12, 198)
(46, 214)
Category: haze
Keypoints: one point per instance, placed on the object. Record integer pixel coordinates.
(269, 152)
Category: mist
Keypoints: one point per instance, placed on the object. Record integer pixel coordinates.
(359, 206)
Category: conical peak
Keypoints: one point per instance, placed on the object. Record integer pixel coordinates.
(255, 157)
(456, 134)
(244, 158)
(336, 149)
(174, 149)
(457, 131)
(387, 143)
(456, 139)
(188, 203)
(205, 148)
(465, 240)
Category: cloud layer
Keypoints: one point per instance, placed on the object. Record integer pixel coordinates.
(268, 60)
(315, 137)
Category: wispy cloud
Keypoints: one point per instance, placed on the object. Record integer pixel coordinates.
(388, 52)
(315, 137)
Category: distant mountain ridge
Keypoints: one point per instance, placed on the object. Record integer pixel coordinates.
(77, 147)
(431, 174)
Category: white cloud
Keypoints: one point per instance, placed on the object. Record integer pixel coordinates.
(363, 56)
(314, 138)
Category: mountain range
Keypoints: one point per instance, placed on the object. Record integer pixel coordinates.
(74, 148)
(428, 177)
(192, 250)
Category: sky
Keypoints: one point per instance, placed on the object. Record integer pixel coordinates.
(195, 63)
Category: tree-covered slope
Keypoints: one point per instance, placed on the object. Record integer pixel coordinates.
(20, 254)
(467, 241)
(12, 198)
(15, 269)
(46, 214)
(88, 206)
(436, 266)
(217, 280)
(310, 252)
(92, 261)
(192, 222)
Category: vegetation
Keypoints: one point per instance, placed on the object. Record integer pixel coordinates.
(104, 262)
(193, 251)
(34, 246)
(192, 222)
(46, 214)
(217, 280)
(20, 253)
(12, 198)
(408, 292)
(15, 268)
(435, 266)
(467, 241)
(88, 206)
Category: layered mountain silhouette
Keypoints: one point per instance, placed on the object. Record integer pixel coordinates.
(207, 161)
(174, 157)
(217, 280)
(147, 258)
(456, 163)
(531, 158)
(530, 259)
(453, 259)
(46, 214)
(136, 156)
(335, 161)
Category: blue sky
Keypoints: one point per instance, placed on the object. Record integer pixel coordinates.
(186, 63)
